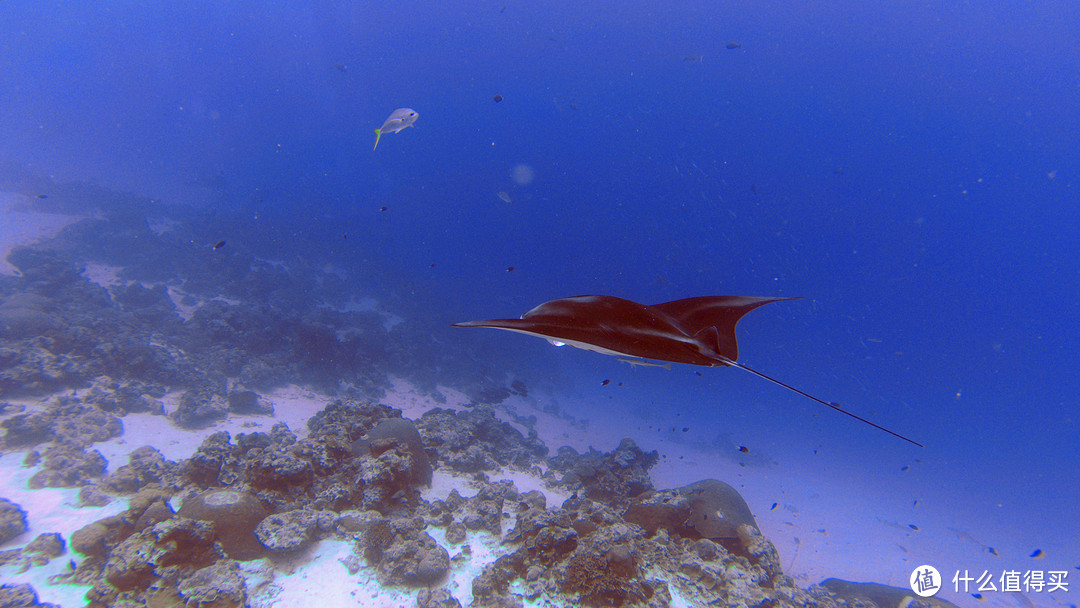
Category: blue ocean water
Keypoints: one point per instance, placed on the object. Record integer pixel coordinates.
(908, 169)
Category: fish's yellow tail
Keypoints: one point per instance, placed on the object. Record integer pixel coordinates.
(378, 134)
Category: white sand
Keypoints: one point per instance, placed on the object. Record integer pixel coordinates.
(20, 225)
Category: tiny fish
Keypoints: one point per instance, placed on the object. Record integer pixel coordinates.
(773, 507)
(218, 245)
(432, 265)
(605, 382)
(686, 429)
(509, 269)
(733, 45)
(905, 468)
(977, 596)
(913, 527)
(401, 118)
(504, 197)
(744, 449)
(993, 551)
(383, 208)
(43, 196)
(497, 98)
(1038, 554)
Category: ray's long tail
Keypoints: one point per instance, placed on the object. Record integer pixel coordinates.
(832, 404)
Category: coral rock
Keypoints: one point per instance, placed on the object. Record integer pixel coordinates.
(438, 598)
(284, 532)
(142, 557)
(68, 466)
(12, 520)
(234, 516)
(218, 586)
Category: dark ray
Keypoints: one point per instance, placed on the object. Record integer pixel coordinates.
(697, 331)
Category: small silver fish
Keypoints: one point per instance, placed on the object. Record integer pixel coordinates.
(642, 363)
(504, 197)
(401, 118)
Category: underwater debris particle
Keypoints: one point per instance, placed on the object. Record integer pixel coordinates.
(1038, 554)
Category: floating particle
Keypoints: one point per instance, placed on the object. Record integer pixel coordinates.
(1038, 554)
(497, 98)
(218, 245)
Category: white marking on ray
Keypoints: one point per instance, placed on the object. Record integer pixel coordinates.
(574, 343)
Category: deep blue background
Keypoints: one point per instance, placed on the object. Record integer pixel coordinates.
(909, 168)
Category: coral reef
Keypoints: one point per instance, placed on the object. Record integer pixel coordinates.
(611, 478)
(478, 441)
